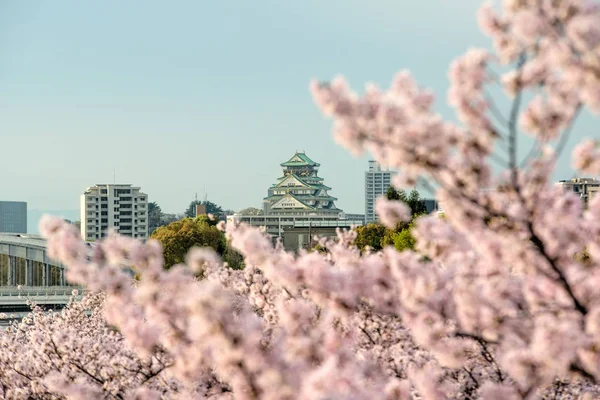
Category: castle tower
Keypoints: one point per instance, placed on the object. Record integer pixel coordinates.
(300, 191)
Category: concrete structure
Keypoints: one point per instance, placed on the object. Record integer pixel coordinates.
(13, 216)
(295, 232)
(354, 217)
(119, 207)
(377, 182)
(14, 300)
(585, 188)
(23, 261)
(200, 209)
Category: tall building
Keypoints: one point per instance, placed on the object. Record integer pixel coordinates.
(586, 188)
(119, 207)
(377, 182)
(300, 191)
(13, 216)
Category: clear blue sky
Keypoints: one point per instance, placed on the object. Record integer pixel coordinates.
(180, 96)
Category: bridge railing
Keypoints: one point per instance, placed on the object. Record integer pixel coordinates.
(37, 291)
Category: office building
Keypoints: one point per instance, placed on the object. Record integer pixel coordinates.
(377, 182)
(117, 207)
(13, 216)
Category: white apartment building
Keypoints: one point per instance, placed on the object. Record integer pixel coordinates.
(119, 207)
(377, 182)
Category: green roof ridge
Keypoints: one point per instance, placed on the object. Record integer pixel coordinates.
(302, 156)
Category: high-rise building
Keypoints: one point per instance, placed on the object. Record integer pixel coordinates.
(13, 216)
(377, 182)
(119, 207)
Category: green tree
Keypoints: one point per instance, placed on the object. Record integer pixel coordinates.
(413, 200)
(393, 194)
(211, 208)
(251, 211)
(416, 204)
(155, 216)
(204, 219)
(370, 235)
(404, 240)
(179, 237)
(234, 259)
(388, 237)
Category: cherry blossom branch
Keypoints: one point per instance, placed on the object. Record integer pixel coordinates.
(512, 121)
(534, 238)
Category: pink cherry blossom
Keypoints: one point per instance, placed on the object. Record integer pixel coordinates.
(391, 212)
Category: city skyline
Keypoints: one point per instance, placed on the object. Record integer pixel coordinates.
(204, 102)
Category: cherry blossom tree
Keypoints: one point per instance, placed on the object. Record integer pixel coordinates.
(499, 300)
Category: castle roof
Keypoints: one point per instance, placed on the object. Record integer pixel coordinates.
(299, 160)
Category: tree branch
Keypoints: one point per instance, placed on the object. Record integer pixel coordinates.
(552, 262)
(512, 122)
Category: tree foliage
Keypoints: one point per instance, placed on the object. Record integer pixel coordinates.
(413, 200)
(179, 237)
(251, 211)
(377, 237)
(155, 216)
(371, 236)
